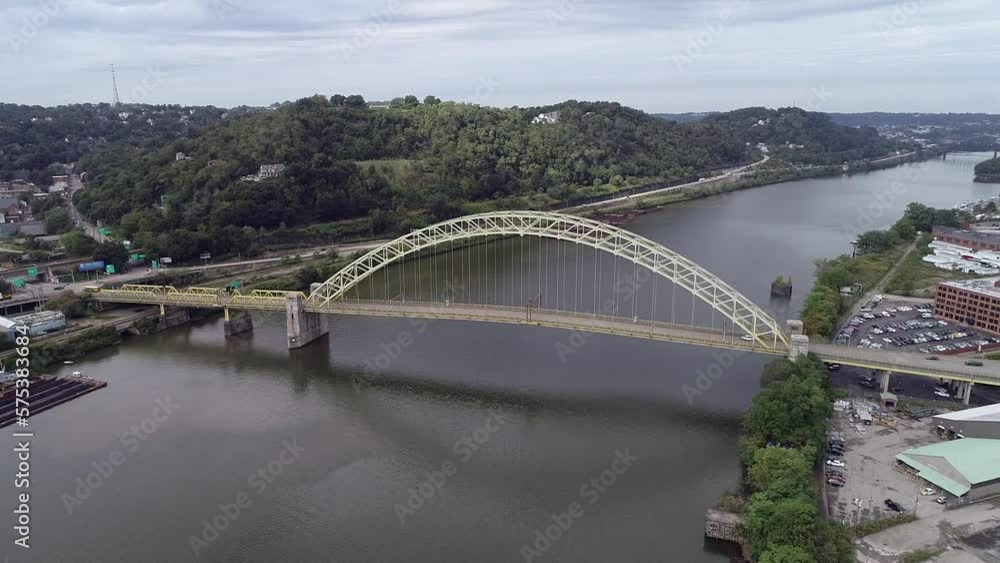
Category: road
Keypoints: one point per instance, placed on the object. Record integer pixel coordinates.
(731, 175)
(91, 229)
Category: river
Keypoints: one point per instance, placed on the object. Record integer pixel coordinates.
(545, 412)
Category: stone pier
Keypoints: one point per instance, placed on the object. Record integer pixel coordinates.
(799, 342)
(303, 327)
(238, 323)
(884, 380)
(963, 391)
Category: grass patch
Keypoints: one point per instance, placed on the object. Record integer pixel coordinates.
(918, 278)
(876, 526)
(993, 356)
(921, 555)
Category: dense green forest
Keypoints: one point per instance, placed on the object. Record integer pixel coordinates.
(395, 169)
(32, 138)
(353, 172)
(816, 138)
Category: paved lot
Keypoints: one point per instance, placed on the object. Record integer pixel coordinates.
(966, 533)
(872, 473)
(909, 327)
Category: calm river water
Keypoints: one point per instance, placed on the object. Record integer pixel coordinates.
(545, 412)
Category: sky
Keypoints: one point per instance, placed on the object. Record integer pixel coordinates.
(656, 55)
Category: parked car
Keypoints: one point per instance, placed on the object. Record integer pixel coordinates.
(927, 491)
(836, 463)
(836, 482)
(935, 358)
(833, 367)
(974, 363)
(942, 394)
(893, 505)
(941, 500)
(868, 383)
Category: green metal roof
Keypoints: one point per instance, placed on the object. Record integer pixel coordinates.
(958, 465)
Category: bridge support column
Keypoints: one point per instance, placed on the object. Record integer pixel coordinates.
(799, 346)
(794, 327)
(884, 380)
(237, 323)
(303, 327)
(965, 392)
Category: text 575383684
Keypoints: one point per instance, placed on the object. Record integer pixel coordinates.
(22, 412)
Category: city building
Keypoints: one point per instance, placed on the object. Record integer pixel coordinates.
(948, 256)
(967, 468)
(980, 422)
(59, 184)
(974, 240)
(38, 323)
(266, 171)
(10, 210)
(974, 303)
(549, 118)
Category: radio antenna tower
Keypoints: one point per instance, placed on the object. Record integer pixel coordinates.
(114, 82)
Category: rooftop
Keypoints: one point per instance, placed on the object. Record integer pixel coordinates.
(958, 465)
(986, 286)
(32, 318)
(982, 236)
(990, 413)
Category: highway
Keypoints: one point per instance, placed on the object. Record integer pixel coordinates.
(731, 175)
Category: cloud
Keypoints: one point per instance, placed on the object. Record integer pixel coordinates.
(872, 53)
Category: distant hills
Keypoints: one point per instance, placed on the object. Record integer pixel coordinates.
(338, 166)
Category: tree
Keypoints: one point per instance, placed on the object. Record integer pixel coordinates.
(111, 253)
(355, 101)
(338, 100)
(431, 101)
(904, 229)
(786, 554)
(411, 101)
(58, 221)
(780, 522)
(69, 303)
(790, 413)
(875, 241)
(5, 287)
(784, 472)
(78, 244)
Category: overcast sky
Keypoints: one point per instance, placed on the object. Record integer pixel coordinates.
(657, 55)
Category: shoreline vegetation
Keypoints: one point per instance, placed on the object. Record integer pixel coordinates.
(876, 253)
(988, 171)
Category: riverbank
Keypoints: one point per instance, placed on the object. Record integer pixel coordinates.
(774, 172)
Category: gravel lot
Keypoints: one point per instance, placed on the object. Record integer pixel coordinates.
(872, 473)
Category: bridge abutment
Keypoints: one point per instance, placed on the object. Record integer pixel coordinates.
(303, 327)
(884, 380)
(238, 323)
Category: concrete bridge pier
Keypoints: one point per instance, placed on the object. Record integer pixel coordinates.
(884, 380)
(303, 327)
(964, 391)
(238, 323)
(799, 342)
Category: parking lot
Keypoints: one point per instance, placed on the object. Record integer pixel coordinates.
(871, 474)
(910, 327)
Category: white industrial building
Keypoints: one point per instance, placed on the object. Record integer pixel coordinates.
(948, 256)
(981, 422)
(38, 323)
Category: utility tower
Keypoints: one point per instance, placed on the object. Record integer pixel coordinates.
(114, 82)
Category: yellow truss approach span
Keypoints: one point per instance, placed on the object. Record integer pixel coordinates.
(662, 261)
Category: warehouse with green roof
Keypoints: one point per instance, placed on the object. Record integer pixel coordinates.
(968, 468)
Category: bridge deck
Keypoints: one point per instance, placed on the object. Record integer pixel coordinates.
(916, 364)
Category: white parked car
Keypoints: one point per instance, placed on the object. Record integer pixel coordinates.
(942, 394)
(746, 338)
(927, 492)
(836, 463)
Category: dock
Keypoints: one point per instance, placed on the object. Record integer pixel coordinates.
(46, 392)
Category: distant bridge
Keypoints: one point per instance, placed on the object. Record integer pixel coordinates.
(747, 326)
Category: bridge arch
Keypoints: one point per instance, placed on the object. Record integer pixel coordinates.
(659, 259)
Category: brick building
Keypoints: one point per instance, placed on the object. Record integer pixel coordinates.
(974, 302)
(976, 240)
